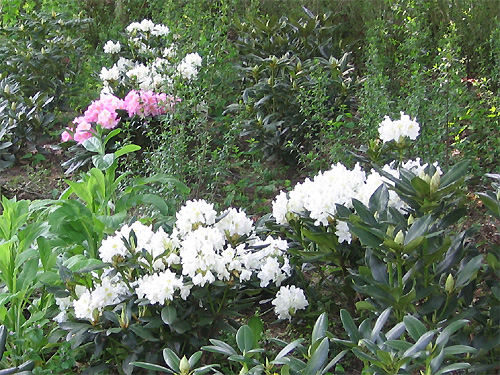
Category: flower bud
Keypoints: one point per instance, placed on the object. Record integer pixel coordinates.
(449, 284)
(184, 366)
(400, 238)
(411, 220)
(124, 319)
(434, 184)
(6, 89)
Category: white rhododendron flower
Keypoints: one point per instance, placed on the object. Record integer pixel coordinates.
(193, 214)
(288, 300)
(110, 292)
(235, 222)
(112, 47)
(342, 232)
(199, 251)
(317, 198)
(159, 288)
(160, 30)
(188, 68)
(112, 74)
(390, 130)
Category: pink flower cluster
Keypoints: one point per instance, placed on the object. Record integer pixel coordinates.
(103, 112)
(148, 103)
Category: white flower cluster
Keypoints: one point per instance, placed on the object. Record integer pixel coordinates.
(90, 303)
(317, 198)
(204, 247)
(112, 47)
(188, 68)
(153, 72)
(288, 300)
(390, 130)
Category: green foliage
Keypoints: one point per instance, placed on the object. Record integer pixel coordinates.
(104, 204)
(408, 347)
(428, 67)
(252, 358)
(39, 59)
(24, 369)
(24, 303)
(279, 59)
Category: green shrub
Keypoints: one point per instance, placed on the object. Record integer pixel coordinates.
(279, 58)
(39, 59)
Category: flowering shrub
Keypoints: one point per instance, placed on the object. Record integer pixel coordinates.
(105, 112)
(191, 279)
(148, 59)
(318, 198)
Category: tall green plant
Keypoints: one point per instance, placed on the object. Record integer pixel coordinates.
(24, 259)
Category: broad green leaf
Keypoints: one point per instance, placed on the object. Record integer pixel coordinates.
(379, 324)
(414, 327)
(398, 344)
(103, 162)
(169, 314)
(244, 338)
(334, 361)
(257, 326)
(126, 150)
(143, 332)
(365, 305)
(220, 347)
(349, 326)
(287, 349)
(171, 359)
(80, 190)
(364, 213)
(469, 272)
(92, 144)
(320, 328)
(150, 366)
(27, 275)
(420, 345)
(445, 334)
(318, 358)
(379, 199)
(459, 349)
(421, 187)
(457, 172)
(47, 257)
(419, 228)
(193, 360)
(453, 367)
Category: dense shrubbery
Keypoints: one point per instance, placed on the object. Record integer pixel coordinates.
(377, 258)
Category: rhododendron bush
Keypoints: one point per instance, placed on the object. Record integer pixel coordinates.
(194, 278)
(148, 59)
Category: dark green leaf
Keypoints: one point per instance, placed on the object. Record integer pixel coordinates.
(169, 314)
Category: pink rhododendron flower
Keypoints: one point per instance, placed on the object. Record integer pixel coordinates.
(66, 136)
(106, 102)
(83, 130)
(103, 112)
(107, 119)
(132, 103)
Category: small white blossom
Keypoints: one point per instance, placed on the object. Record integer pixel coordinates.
(188, 67)
(111, 47)
(390, 130)
(160, 30)
(288, 300)
(158, 288)
(112, 74)
(195, 213)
